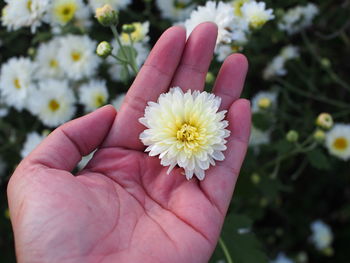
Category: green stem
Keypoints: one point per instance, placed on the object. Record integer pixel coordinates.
(225, 250)
(119, 59)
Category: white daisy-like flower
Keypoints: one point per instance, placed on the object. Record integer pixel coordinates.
(282, 258)
(258, 137)
(115, 4)
(264, 100)
(298, 18)
(24, 13)
(93, 94)
(186, 129)
(118, 101)
(47, 60)
(222, 14)
(139, 35)
(256, 13)
(116, 70)
(53, 102)
(175, 10)
(83, 17)
(338, 141)
(77, 56)
(290, 52)
(322, 236)
(16, 81)
(33, 139)
(63, 11)
(222, 52)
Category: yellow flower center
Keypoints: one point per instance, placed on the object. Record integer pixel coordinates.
(53, 63)
(16, 83)
(76, 56)
(136, 36)
(65, 12)
(29, 6)
(340, 144)
(187, 133)
(237, 7)
(54, 105)
(257, 21)
(99, 100)
(264, 103)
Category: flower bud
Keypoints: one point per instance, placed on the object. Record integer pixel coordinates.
(7, 213)
(128, 28)
(319, 135)
(104, 49)
(107, 16)
(209, 78)
(292, 136)
(325, 121)
(255, 178)
(325, 62)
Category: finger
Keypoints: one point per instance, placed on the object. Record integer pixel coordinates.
(65, 146)
(220, 180)
(197, 57)
(230, 80)
(154, 78)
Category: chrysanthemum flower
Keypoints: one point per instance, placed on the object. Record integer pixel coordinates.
(139, 34)
(63, 11)
(53, 102)
(322, 235)
(338, 141)
(185, 129)
(93, 95)
(115, 4)
(264, 100)
(256, 14)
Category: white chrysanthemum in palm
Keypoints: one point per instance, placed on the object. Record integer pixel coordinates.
(93, 94)
(338, 141)
(256, 14)
(258, 137)
(16, 81)
(264, 100)
(33, 139)
(175, 10)
(53, 102)
(24, 13)
(115, 4)
(47, 60)
(185, 129)
(118, 101)
(282, 258)
(77, 56)
(322, 236)
(116, 70)
(222, 14)
(139, 34)
(298, 18)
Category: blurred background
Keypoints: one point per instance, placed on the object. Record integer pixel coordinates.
(291, 202)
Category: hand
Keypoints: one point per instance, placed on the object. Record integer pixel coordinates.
(123, 207)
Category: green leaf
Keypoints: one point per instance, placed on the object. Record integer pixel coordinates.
(319, 160)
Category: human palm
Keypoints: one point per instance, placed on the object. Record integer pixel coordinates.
(123, 207)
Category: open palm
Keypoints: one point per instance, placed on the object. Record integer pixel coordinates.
(123, 207)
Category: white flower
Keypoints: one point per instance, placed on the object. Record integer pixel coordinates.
(116, 70)
(47, 60)
(222, 52)
(289, 52)
(256, 14)
(77, 56)
(83, 17)
(139, 35)
(63, 11)
(298, 18)
(32, 141)
(338, 141)
(258, 137)
(264, 100)
(53, 102)
(24, 13)
(322, 235)
(282, 258)
(115, 4)
(93, 94)
(185, 129)
(175, 10)
(118, 101)
(222, 14)
(16, 81)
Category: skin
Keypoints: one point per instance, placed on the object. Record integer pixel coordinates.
(123, 207)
